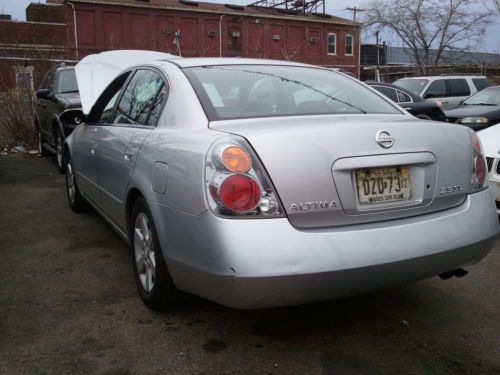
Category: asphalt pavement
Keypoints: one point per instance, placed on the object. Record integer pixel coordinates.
(68, 305)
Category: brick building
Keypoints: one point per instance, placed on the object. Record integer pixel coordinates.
(69, 30)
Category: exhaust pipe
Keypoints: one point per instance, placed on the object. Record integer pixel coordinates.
(459, 272)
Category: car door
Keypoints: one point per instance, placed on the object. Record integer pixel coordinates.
(85, 146)
(43, 104)
(457, 90)
(135, 117)
(436, 91)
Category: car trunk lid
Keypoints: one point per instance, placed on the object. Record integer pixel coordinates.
(314, 161)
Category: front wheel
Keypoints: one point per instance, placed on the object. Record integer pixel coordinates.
(40, 140)
(153, 280)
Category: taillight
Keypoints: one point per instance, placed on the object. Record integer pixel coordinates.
(237, 183)
(479, 175)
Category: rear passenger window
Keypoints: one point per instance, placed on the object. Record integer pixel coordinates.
(481, 83)
(403, 97)
(390, 93)
(142, 97)
(458, 87)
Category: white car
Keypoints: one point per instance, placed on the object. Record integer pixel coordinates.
(490, 139)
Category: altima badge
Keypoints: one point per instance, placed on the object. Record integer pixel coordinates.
(310, 206)
(384, 139)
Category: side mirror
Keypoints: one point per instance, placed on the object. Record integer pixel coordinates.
(43, 94)
(73, 117)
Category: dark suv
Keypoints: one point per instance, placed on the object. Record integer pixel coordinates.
(57, 94)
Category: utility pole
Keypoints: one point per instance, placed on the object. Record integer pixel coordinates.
(354, 11)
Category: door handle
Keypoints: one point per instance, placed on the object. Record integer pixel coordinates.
(95, 129)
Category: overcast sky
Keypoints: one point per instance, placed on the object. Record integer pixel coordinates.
(336, 7)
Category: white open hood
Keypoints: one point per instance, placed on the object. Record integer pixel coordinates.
(95, 72)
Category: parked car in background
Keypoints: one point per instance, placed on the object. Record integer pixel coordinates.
(479, 111)
(490, 139)
(57, 94)
(414, 104)
(449, 90)
(259, 183)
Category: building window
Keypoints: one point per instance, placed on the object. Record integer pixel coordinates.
(349, 44)
(332, 44)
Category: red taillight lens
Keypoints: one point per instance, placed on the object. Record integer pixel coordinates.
(237, 184)
(481, 170)
(240, 193)
(479, 176)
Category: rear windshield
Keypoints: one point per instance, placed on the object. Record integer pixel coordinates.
(414, 85)
(481, 83)
(67, 82)
(245, 91)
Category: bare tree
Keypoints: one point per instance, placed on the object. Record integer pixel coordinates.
(496, 4)
(429, 27)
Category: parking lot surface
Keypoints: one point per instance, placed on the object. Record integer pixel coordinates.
(68, 305)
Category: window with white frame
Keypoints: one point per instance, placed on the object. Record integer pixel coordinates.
(332, 44)
(349, 44)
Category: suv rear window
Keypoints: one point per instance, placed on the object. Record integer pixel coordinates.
(481, 83)
(246, 91)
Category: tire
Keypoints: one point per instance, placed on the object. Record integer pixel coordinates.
(40, 140)
(424, 117)
(59, 138)
(154, 284)
(75, 199)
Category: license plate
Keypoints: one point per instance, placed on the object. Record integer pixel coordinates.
(383, 185)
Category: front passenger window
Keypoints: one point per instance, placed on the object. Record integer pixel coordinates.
(437, 89)
(140, 98)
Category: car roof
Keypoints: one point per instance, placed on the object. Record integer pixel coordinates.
(445, 77)
(213, 61)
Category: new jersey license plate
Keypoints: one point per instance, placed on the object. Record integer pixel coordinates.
(383, 185)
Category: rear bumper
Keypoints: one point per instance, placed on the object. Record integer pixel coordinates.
(267, 263)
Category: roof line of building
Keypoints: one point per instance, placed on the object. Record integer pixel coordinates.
(36, 22)
(335, 21)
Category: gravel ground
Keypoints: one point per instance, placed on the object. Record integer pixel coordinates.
(68, 305)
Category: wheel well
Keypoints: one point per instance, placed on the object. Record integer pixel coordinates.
(66, 149)
(55, 128)
(132, 196)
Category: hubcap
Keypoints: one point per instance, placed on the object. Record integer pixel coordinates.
(59, 151)
(144, 252)
(70, 178)
(40, 146)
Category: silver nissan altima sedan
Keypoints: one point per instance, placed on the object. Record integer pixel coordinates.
(258, 183)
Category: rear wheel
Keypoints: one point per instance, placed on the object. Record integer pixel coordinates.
(40, 140)
(153, 280)
(76, 202)
(59, 151)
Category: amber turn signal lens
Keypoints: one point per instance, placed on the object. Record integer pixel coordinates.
(236, 160)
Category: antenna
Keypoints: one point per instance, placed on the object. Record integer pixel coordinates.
(299, 7)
